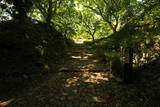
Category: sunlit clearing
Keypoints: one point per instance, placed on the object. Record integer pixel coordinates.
(5, 103)
(79, 40)
(97, 99)
(76, 57)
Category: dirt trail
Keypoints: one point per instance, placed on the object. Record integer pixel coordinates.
(80, 58)
(68, 88)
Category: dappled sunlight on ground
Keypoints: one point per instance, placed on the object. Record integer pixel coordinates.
(87, 77)
(76, 57)
(85, 58)
(79, 81)
(81, 59)
(90, 66)
(95, 77)
(95, 61)
(71, 81)
(98, 99)
(89, 54)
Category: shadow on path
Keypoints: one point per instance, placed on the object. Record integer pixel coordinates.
(83, 88)
(82, 80)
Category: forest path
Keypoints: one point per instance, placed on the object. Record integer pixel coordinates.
(82, 80)
(79, 82)
(81, 58)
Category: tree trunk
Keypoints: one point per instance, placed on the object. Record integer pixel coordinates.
(128, 68)
(93, 38)
(49, 13)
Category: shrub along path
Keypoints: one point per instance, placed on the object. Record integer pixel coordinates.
(81, 80)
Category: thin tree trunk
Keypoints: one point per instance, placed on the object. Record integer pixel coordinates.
(49, 15)
(92, 34)
(93, 38)
(114, 29)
